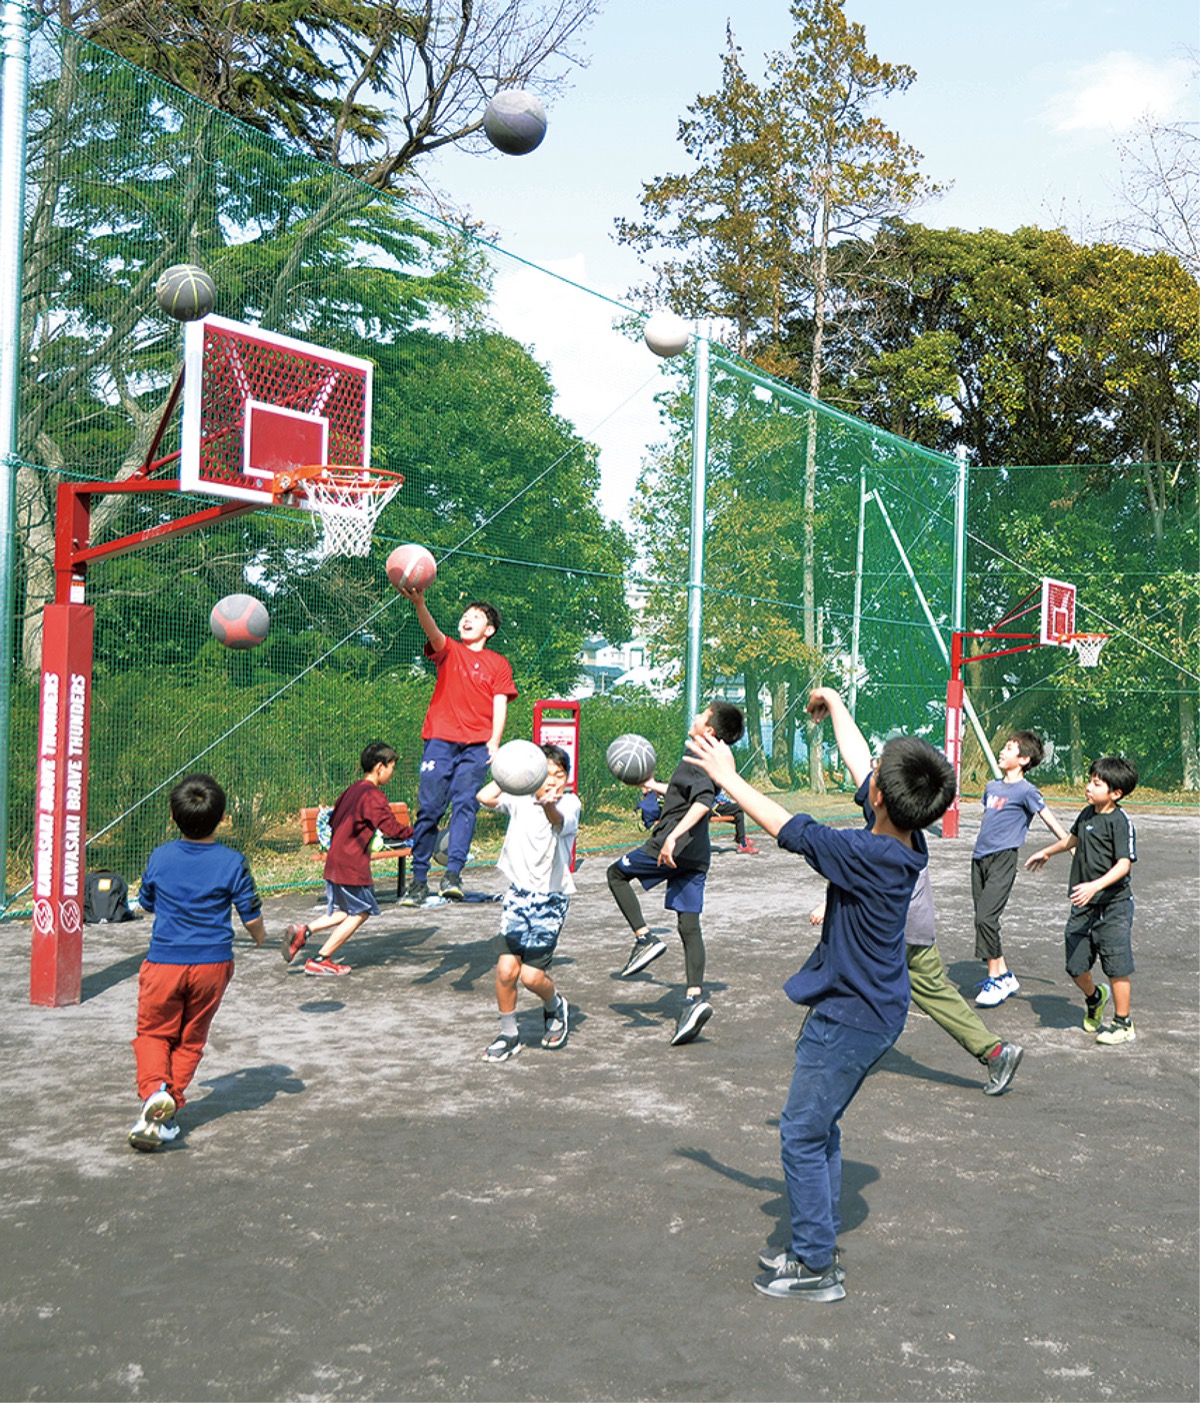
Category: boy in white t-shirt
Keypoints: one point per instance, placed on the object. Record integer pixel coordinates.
(536, 859)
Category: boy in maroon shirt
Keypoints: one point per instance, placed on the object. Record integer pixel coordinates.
(462, 731)
(349, 890)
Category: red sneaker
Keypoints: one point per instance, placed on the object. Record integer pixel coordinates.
(322, 964)
(294, 940)
(748, 847)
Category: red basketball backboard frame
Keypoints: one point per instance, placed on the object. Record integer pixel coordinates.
(256, 403)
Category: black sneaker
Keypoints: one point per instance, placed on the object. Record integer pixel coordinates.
(696, 1013)
(774, 1262)
(796, 1281)
(557, 1025)
(415, 894)
(646, 949)
(500, 1049)
(451, 886)
(1002, 1068)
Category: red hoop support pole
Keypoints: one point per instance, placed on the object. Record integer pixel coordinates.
(64, 728)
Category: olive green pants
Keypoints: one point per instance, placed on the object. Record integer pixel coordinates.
(933, 995)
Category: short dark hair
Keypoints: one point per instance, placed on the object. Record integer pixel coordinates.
(559, 756)
(377, 753)
(1029, 747)
(1117, 772)
(916, 781)
(197, 806)
(493, 614)
(727, 720)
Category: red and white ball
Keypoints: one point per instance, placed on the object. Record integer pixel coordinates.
(239, 621)
(411, 567)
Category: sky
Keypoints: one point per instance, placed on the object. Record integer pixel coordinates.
(1018, 108)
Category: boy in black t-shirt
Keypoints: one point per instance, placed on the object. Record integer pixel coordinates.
(1101, 923)
(678, 852)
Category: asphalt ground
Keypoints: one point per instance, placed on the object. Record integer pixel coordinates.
(359, 1208)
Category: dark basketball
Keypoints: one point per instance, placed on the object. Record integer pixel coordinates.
(186, 292)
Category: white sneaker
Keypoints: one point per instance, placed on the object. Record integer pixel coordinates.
(994, 991)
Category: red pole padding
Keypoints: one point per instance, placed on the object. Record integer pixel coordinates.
(60, 807)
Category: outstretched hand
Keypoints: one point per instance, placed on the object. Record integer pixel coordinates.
(713, 756)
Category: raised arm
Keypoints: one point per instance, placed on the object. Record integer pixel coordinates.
(856, 753)
(437, 639)
(716, 759)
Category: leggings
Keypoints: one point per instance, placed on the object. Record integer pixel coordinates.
(688, 923)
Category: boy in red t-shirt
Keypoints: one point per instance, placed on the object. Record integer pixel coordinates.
(349, 890)
(462, 731)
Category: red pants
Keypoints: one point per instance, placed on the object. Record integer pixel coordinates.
(176, 1005)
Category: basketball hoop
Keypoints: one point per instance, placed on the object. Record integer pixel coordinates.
(346, 502)
(1086, 646)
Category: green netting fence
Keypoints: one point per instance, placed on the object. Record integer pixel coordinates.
(829, 546)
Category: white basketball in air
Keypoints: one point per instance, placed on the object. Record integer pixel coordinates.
(631, 759)
(666, 334)
(519, 767)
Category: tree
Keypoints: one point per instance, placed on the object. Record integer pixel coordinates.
(785, 173)
(1160, 186)
(368, 87)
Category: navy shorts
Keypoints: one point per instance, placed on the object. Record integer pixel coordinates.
(1103, 932)
(685, 885)
(350, 901)
(530, 924)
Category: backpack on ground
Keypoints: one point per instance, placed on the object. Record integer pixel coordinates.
(106, 899)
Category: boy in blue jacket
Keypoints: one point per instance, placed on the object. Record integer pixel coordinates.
(855, 983)
(189, 887)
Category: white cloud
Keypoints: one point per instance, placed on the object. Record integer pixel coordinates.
(1113, 93)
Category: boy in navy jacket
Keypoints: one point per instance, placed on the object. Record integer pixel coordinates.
(855, 983)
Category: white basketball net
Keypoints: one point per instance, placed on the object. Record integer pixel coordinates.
(344, 514)
(1087, 647)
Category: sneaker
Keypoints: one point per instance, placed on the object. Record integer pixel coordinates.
(748, 847)
(294, 940)
(146, 1133)
(143, 1136)
(793, 1279)
(774, 1262)
(557, 1025)
(322, 964)
(1118, 1033)
(995, 991)
(415, 894)
(646, 949)
(168, 1130)
(1093, 1018)
(1002, 1068)
(500, 1049)
(696, 1013)
(451, 886)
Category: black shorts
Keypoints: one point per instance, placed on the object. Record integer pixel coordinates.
(1101, 931)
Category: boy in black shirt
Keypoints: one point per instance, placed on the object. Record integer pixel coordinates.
(678, 852)
(1105, 849)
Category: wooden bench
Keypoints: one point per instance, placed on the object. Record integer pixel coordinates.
(308, 835)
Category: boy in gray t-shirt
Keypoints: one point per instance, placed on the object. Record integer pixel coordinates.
(1009, 805)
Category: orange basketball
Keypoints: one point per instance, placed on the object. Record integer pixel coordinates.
(411, 567)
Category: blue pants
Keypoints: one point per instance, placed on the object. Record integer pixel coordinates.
(832, 1062)
(451, 776)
